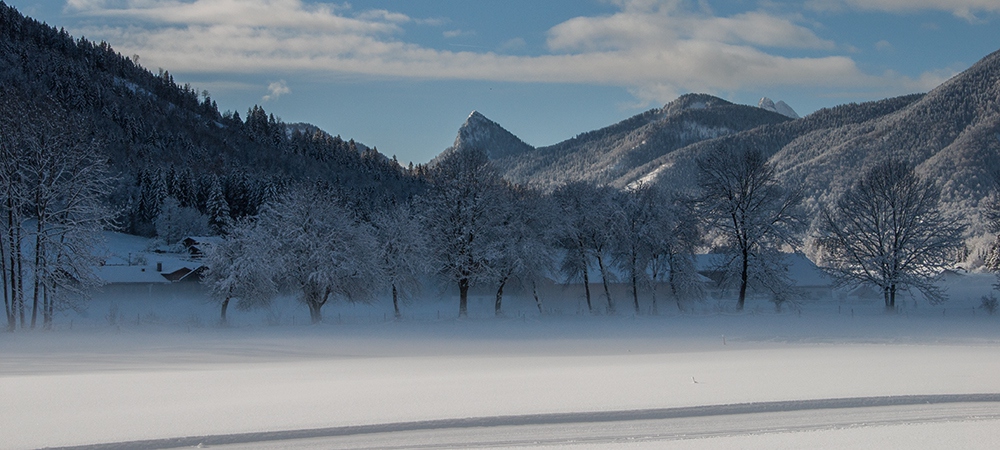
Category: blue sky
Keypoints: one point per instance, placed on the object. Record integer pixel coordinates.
(404, 75)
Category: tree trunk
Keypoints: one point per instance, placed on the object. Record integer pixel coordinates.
(538, 302)
(635, 292)
(395, 301)
(39, 270)
(19, 271)
(48, 308)
(586, 280)
(604, 280)
(890, 298)
(654, 308)
(11, 269)
(315, 315)
(7, 306)
(744, 276)
(672, 280)
(225, 305)
(497, 307)
(315, 298)
(463, 297)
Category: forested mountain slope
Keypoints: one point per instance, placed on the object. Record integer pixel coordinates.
(165, 140)
(951, 134)
(607, 154)
(678, 168)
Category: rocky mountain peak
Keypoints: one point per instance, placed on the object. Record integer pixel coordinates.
(780, 107)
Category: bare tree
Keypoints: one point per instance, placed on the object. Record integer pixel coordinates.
(634, 235)
(461, 209)
(675, 239)
(887, 231)
(54, 181)
(403, 251)
(572, 202)
(754, 215)
(589, 212)
(523, 242)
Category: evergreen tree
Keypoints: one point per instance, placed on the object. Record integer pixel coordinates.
(217, 208)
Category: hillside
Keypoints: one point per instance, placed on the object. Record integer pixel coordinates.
(951, 134)
(164, 140)
(679, 167)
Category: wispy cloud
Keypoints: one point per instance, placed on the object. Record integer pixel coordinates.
(653, 48)
(276, 89)
(965, 9)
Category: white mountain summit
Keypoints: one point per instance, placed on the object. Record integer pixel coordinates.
(780, 107)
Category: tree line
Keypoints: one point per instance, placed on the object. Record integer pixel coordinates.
(471, 227)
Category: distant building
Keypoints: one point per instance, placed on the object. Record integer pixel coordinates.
(197, 246)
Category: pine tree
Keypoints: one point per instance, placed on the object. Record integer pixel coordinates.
(217, 208)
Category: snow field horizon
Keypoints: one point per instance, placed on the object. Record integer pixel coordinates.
(90, 382)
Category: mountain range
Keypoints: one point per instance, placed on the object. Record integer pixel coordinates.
(951, 135)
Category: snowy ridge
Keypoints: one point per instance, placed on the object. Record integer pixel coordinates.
(480, 132)
(780, 107)
(607, 154)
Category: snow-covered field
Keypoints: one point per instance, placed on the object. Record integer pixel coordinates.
(832, 374)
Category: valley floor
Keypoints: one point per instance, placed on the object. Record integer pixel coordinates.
(830, 374)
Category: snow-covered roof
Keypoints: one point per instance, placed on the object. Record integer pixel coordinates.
(132, 259)
(801, 270)
(130, 274)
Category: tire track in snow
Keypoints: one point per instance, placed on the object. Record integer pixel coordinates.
(573, 418)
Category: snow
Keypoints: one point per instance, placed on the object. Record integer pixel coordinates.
(163, 370)
(780, 107)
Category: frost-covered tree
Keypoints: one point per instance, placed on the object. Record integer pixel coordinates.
(585, 232)
(461, 208)
(600, 234)
(55, 182)
(217, 208)
(674, 242)
(242, 268)
(992, 215)
(633, 237)
(175, 222)
(323, 250)
(887, 231)
(752, 212)
(11, 249)
(523, 242)
(402, 251)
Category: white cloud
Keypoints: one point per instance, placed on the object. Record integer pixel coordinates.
(966, 9)
(883, 45)
(276, 89)
(654, 48)
(635, 28)
(456, 33)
